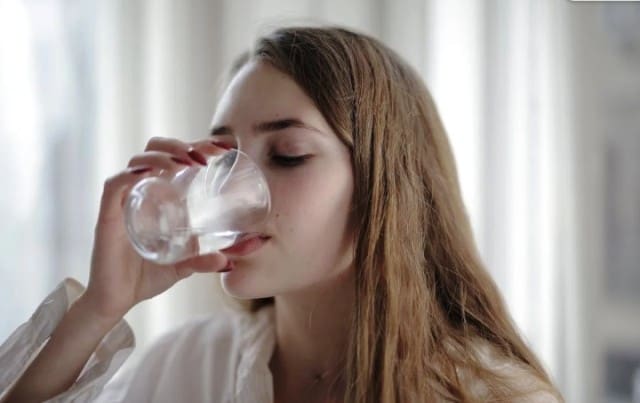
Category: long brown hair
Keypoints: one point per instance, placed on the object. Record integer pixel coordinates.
(424, 301)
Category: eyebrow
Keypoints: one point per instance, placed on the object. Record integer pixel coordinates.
(269, 126)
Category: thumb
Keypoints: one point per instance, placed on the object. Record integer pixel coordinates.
(208, 263)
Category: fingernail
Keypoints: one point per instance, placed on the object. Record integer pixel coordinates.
(197, 157)
(140, 170)
(181, 161)
(221, 145)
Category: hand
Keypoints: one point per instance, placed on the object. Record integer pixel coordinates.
(120, 278)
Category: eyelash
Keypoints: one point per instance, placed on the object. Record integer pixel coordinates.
(285, 161)
(289, 161)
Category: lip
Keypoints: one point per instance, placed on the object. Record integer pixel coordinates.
(246, 244)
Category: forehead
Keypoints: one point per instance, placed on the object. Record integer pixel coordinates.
(262, 91)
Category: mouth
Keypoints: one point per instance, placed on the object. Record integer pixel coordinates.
(246, 244)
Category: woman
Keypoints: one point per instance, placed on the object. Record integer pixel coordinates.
(364, 286)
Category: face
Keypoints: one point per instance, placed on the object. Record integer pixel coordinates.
(264, 113)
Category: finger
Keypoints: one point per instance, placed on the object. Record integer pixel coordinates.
(116, 188)
(169, 145)
(161, 159)
(211, 146)
(184, 272)
(185, 151)
(208, 263)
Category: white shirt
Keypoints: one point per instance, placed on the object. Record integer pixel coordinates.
(215, 358)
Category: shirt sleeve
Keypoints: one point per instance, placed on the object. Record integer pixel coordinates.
(24, 344)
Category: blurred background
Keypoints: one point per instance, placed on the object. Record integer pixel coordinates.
(541, 100)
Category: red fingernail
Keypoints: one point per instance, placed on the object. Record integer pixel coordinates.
(181, 161)
(140, 170)
(197, 157)
(221, 145)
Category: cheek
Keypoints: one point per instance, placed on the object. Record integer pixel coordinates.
(310, 209)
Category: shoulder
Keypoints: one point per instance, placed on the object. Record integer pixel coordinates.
(184, 360)
(198, 342)
(524, 381)
(519, 377)
(219, 331)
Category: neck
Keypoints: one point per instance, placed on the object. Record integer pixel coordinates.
(312, 331)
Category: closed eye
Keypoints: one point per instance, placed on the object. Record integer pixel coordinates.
(289, 160)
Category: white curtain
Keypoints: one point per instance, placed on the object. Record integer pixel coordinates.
(47, 109)
(497, 70)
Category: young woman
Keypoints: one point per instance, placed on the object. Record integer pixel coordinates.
(365, 284)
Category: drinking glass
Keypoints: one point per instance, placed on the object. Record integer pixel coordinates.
(197, 210)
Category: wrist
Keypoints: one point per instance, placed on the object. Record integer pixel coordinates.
(85, 308)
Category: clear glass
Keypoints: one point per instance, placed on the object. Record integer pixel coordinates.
(197, 210)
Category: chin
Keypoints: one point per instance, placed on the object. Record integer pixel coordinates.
(241, 285)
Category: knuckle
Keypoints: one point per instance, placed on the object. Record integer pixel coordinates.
(110, 182)
(133, 159)
(154, 141)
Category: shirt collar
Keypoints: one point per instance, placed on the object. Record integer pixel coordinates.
(253, 376)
